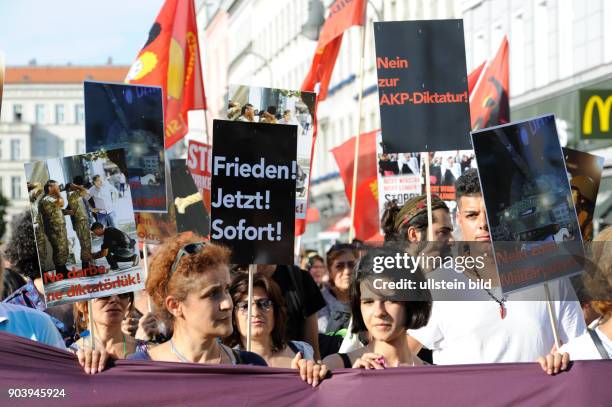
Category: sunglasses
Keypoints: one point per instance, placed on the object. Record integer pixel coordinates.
(263, 304)
(191, 248)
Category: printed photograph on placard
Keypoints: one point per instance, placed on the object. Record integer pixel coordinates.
(530, 211)
(584, 171)
(444, 169)
(399, 177)
(84, 226)
(279, 106)
(130, 117)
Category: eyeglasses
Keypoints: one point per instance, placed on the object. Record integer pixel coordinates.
(263, 304)
(341, 265)
(191, 248)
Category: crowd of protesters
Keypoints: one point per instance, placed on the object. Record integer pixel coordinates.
(314, 319)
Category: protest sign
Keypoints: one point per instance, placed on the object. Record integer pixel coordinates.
(253, 190)
(584, 171)
(68, 197)
(444, 169)
(190, 211)
(199, 163)
(130, 117)
(532, 221)
(399, 177)
(280, 106)
(155, 227)
(422, 86)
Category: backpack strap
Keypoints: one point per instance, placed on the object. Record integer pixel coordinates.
(598, 344)
(237, 356)
(345, 360)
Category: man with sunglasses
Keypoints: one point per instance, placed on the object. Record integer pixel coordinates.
(117, 246)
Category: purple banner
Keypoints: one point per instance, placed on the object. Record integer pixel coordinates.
(28, 365)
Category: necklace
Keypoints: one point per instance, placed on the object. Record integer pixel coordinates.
(502, 308)
(181, 357)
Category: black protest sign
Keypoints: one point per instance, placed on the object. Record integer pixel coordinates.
(532, 222)
(422, 86)
(253, 190)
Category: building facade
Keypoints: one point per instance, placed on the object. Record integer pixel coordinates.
(42, 117)
(261, 44)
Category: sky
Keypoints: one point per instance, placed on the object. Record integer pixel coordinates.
(82, 32)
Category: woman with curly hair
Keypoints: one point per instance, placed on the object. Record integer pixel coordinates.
(21, 253)
(189, 283)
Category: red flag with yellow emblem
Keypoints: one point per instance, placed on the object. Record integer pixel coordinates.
(171, 59)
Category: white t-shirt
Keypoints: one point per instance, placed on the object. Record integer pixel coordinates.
(583, 347)
(462, 332)
(103, 198)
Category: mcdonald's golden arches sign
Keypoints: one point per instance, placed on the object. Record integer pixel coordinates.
(595, 114)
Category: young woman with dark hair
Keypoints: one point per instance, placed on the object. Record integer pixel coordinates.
(384, 317)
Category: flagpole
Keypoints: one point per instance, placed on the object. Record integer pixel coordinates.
(359, 130)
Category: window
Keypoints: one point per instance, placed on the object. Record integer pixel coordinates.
(517, 55)
(541, 44)
(78, 114)
(17, 112)
(15, 150)
(80, 146)
(59, 114)
(40, 113)
(16, 187)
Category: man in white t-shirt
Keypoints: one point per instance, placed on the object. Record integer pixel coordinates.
(494, 331)
(104, 196)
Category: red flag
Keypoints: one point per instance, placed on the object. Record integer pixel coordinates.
(343, 15)
(490, 100)
(474, 76)
(366, 210)
(171, 59)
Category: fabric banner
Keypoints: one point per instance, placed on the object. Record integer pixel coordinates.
(26, 366)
